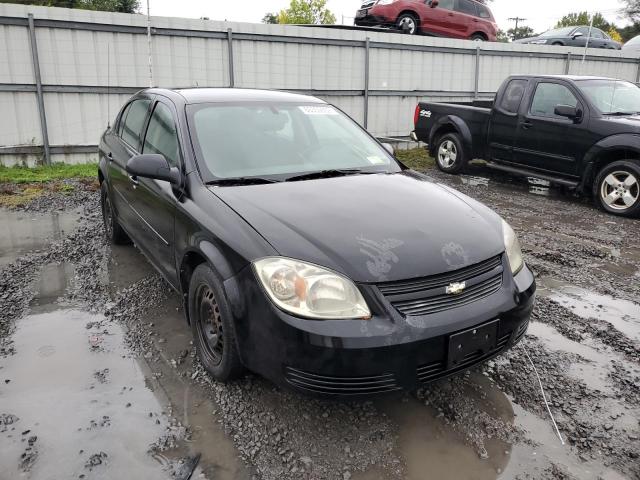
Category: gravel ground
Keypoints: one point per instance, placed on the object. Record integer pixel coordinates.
(286, 436)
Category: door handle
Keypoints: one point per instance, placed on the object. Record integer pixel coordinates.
(526, 125)
(134, 180)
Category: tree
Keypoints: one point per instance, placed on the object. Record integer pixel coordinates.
(270, 18)
(632, 10)
(614, 34)
(583, 18)
(630, 31)
(520, 32)
(502, 36)
(307, 12)
(124, 6)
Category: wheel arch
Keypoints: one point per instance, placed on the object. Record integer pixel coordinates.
(208, 253)
(480, 33)
(606, 151)
(409, 11)
(451, 124)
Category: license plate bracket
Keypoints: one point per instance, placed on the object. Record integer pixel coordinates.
(473, 343)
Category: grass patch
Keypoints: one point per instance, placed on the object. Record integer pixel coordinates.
(416, 158)
(58, 171)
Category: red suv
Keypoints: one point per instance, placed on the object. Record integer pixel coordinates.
(443, 18)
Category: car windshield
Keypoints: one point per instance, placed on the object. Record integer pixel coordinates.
(612, 96)
(278, 141)
(558, 32)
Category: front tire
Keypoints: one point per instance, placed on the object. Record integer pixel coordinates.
(212, 325)
(477, 37)
(112, 229)
(450, 154)
(617, 188)
(408, 23)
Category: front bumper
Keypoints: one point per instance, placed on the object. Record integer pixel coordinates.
(371, 18)
(389, 352)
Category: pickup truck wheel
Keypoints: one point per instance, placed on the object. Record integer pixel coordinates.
(407, 23)
(617, 188)
(450, 155)
(212, 325)
(112, 229)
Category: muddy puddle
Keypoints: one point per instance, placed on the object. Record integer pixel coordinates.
(24, 232)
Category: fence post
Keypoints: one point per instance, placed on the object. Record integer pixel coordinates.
(567, 67)
(638, 73)
(366, 82)
(477, 74)
(39, 95)
(232, 81)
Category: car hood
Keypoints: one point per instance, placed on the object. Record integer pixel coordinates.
(372, 228)
(630, 122)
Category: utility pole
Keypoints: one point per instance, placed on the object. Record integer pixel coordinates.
(149, 45)
(517, 20)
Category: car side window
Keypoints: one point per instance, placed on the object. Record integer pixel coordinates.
(513, 96)
(483, 12)
(133, 123)
(583, 30)
(466, 6)
(548, 96)
(122, 119)
(597, 34)
(447, 4)
(162, 136)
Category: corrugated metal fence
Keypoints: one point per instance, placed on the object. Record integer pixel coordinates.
(65, 73)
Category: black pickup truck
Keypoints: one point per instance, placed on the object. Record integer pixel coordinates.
(582, 132)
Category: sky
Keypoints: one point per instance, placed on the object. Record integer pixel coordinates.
(540, 14)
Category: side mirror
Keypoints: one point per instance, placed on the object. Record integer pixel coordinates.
(434, 3)
(389, 148)
(572, 113)
(577, 35)
(153, 165)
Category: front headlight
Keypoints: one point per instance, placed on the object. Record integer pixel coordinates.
(385, 2)
(512, 247)
(310, 291)
(538, 42)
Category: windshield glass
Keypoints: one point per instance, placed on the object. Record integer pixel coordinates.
(558, 32)
(280, 140)
(612, 96)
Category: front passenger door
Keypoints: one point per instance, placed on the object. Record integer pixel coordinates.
(544, 140)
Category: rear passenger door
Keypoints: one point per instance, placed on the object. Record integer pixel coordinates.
(154, 201)
(125, 145)
(504, 120)
(466, 17)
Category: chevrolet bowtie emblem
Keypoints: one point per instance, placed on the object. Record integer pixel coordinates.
(456, 288)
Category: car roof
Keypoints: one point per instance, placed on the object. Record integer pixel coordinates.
(572, 78)
(223, 95)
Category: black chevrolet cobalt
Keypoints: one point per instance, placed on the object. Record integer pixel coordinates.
(304, 251)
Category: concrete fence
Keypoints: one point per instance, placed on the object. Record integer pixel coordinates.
(65, 73)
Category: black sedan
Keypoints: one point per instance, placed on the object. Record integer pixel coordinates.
(303, 250)
(574, 37)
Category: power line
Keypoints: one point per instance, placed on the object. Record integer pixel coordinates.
(517, 19)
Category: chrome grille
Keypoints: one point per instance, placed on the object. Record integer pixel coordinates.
(341, 385)
(424, 296)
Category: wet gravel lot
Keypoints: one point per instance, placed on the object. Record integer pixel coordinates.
(98, 376)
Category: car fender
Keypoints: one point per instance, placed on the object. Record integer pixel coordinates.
(458, 124)
(626, 141)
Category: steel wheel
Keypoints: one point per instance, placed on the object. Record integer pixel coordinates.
(447, 154)
(107, 216)
(210, 323)
(407, 24)
(620, 190)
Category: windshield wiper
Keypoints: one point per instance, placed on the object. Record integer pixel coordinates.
(228, 182)
(328, 174)
(621, 113)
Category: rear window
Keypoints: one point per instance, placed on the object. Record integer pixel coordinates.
(466, 6)
(513, 96)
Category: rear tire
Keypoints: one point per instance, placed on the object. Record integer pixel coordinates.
(617, 188)
(408, 23)
(112, 229)
(477, 37)
(212, 325)
(451, 156)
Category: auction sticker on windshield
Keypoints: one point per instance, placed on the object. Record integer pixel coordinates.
(318, 110)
